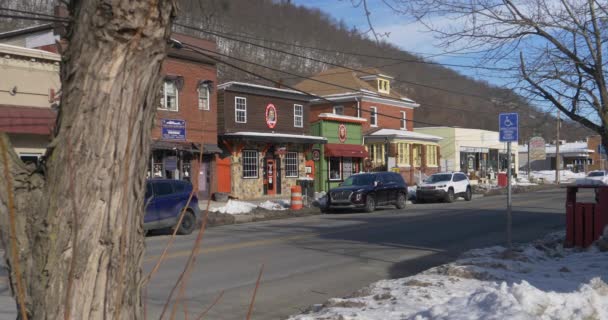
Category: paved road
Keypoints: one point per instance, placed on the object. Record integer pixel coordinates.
(308, 260)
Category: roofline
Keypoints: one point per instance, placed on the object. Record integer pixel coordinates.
(31, 29)
(365, 97)
(30, 53)
(229, 84)
(374, 76)
(340, 118)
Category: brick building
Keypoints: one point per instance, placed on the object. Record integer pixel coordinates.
(388, 132)
(599, 159)
(265, 132)
(186, 121)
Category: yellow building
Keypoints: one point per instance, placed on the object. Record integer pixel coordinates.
(29, 86)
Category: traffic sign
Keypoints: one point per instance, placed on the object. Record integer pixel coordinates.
(508, 127)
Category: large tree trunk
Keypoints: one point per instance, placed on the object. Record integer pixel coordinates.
(78, 223)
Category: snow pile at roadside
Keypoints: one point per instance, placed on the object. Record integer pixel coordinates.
(541, 280)
(235, 207)
(274, 205)
(548, 176)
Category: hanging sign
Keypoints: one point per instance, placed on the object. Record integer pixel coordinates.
(316, 154)
(271, 116)
(537, 149)
(342, 133)
(173, 129)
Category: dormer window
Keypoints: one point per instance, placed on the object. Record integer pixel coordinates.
(384, 86)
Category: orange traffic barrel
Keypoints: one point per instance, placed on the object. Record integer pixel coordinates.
(296, 198)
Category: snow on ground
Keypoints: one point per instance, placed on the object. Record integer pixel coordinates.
(541, 280)
(235, 207)
(548, 176)
(243, 207)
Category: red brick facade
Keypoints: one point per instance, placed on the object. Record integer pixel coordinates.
(389, 117)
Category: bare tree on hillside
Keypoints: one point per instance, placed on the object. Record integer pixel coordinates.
(559, 48)
(73, 228)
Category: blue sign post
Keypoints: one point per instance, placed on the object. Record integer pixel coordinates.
(172, 129)
(508, 128)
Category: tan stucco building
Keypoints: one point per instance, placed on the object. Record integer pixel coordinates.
(29, 88)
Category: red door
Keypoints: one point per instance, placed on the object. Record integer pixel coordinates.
(271, 177)
(223, 173)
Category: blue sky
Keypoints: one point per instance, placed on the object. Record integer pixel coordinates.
(404, 32)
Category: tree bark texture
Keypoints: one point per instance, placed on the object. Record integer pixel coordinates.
(79, 218)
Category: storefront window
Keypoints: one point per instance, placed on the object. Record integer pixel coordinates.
(417, 155)
(431, 155)
(348, 167)
(335, 172)
(291, 164)
(250, 164)
(403, 154)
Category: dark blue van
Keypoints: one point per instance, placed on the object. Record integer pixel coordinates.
(165, 200)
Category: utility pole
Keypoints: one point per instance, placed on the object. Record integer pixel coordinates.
(557, 159)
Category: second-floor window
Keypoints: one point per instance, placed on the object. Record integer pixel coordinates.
(169, 99)
(403, 120)
(203, 96)
(240, 110)
(373, 116)
(339, 110)
(298, 116)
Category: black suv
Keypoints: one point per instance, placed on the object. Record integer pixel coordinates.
(369, 190)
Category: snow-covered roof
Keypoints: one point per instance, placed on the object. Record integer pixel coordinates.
(405, 134)
(257, 86)
(569, 147)
(275, 135)
(333, 116)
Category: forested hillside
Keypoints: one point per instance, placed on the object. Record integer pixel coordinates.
(302, 41)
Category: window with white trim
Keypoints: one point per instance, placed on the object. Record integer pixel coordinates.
(384, 86)
(403, 120)
(403, 154)
(169, 99)
(240, 109)
(291, 165)
(335, 169)
(298, 116)
(348, 167)
(203, 96)
(373, 116)
(339, 110)
(250, 164)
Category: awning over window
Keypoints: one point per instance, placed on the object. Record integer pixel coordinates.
(32, 120)
(345, 150)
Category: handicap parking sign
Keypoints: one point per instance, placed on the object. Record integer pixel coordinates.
(508, 127)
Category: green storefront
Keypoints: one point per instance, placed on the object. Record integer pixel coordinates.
(344, 152)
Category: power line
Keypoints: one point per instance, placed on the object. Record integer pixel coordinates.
(210, 56)
(326, 82)
(402, 60)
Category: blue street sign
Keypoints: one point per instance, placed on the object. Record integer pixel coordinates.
(172, 129)
(508, 127)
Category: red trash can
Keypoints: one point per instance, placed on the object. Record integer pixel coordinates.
(502, 179)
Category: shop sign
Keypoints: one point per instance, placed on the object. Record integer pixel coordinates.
(173, 129)
(342, 133)
(170, 163)
(537, 149)
(474, 150)
(271, 116)
(316, 154)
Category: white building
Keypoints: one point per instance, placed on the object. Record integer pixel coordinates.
(476, 152)
(576, 156)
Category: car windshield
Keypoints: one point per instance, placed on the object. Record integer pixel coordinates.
(359, 180)
(439, 177)
(596, 174)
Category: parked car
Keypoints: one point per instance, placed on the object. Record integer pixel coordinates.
(597, 177)
(446, 186)
(165, 200)
(368, 191)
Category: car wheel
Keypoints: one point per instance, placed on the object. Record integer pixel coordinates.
(188, 224)
(370, 204)
(400, 201)
(468, 195)
(449, 197)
